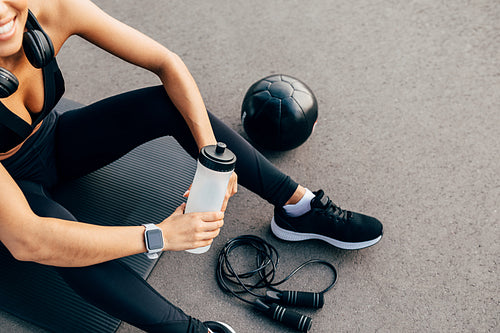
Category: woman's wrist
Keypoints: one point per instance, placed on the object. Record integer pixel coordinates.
(207, 137)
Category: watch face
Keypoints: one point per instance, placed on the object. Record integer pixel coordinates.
(155, 239)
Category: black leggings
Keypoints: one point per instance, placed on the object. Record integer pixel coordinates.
(91, 137)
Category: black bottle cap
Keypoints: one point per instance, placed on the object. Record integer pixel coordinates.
(217, 157)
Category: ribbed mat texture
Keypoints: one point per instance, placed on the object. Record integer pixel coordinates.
(146, 185)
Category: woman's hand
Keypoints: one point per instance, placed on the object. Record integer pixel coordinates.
(192, 230)
(232, 188)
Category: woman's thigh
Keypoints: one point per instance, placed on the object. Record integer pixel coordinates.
(96, 135)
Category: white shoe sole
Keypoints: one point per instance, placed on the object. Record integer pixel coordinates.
(293, 236)
(229, 328)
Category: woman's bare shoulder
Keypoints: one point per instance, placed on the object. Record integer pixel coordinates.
(56, 17)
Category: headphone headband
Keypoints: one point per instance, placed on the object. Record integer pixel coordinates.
(37, 44)
(32, 22)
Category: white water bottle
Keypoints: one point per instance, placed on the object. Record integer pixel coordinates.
(215, 166)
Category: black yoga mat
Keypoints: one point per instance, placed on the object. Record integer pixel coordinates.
(146, 185)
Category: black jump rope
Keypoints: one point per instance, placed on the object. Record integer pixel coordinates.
(270, 304)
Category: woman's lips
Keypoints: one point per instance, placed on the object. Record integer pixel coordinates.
(7, 29)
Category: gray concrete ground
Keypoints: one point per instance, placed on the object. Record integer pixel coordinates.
(408, 131)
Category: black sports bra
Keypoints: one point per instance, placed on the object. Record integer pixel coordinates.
(13, 129)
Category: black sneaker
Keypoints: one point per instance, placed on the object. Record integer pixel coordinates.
(218, 327)
(329, 223)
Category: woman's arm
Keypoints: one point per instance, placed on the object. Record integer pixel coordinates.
(58, 242)
(83, 18)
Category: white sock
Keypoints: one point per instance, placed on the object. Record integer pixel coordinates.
(301, 207)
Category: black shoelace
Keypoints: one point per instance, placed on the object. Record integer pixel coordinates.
(331, 209)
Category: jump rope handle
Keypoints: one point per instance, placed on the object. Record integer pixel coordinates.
(296, 298)
(287, 317)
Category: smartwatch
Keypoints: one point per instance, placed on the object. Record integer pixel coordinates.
(153, 237)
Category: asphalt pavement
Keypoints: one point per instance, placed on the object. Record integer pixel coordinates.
(408, 131)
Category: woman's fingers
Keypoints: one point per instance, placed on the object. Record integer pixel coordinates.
(186, 194)
(179, 210)
(210, 222)
(209, 235)
(187, 231)
(232, 188)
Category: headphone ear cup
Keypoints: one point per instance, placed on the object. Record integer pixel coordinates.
(38, 48)
(8, 83)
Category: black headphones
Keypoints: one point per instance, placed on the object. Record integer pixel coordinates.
(38, 49)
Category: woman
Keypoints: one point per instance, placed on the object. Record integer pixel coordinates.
(40, 148)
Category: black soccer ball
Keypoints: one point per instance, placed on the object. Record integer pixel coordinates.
(279, 112)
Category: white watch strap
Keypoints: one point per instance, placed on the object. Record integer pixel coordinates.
(152, 255)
